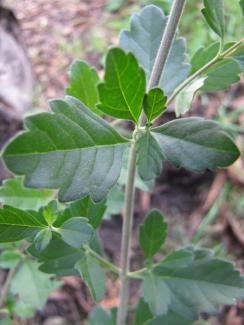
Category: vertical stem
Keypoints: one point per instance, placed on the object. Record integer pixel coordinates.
(165, 46)
(126, 237)
(163, 51)
(166, 42)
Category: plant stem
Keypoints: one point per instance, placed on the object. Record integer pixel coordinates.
(219, 57)
(166, 43)
(159, 64)
(165, 46)
(126, 237)
(103, 261)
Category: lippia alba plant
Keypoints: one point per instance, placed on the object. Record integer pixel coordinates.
(74, 150)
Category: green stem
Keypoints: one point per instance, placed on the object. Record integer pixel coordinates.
(105, 263)
(159, 64)
(126, 237)
(219, 57)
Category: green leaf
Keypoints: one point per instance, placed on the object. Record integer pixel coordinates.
(16, 224)
(9, 259)
(185, 97)
(42, 239)
(238, 57)
(65, 149)
(143, 40)
(76, 231)
(13, 193)
(196, 144)
(154, 103)
(201, 285)
(100, 316)
(32, 286)
(83, 84)
(115, 5)
(241, 2)
(23, 310)
(146, 186)
(213, 12)
(171, 318)
(93, 275)
(149, 157)
(86, 208)
(124, 86)
(143, 313)
(153, 233)
(156, 293)
(58, 258)
(50, 212)
(221, 75)
(115, 201)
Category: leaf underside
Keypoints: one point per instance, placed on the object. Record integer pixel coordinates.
(149, 157)
(65, 149)
(143, 40)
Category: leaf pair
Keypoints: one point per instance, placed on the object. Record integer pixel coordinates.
(122, 94)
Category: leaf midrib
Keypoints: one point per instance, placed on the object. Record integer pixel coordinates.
(66, 150)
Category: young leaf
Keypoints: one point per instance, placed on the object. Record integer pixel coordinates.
(123, 90)
(143, 313)
(223, 74)
(93, 275)
(13, 193)
(201, 285)
(213, 12)
(149, 157)
(65, 149)
(153, 233)
(16, 224)
(154, 103)
(58, 258)
(42, 239)
(32, 286)
(157, 294)
(185, 98)
(83, 84)
(85, 208)
(143, 40)
(76, 232)
(50, 212)
(196, 144)
(100, 316)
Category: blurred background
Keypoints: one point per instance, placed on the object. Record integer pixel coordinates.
(39, 39)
